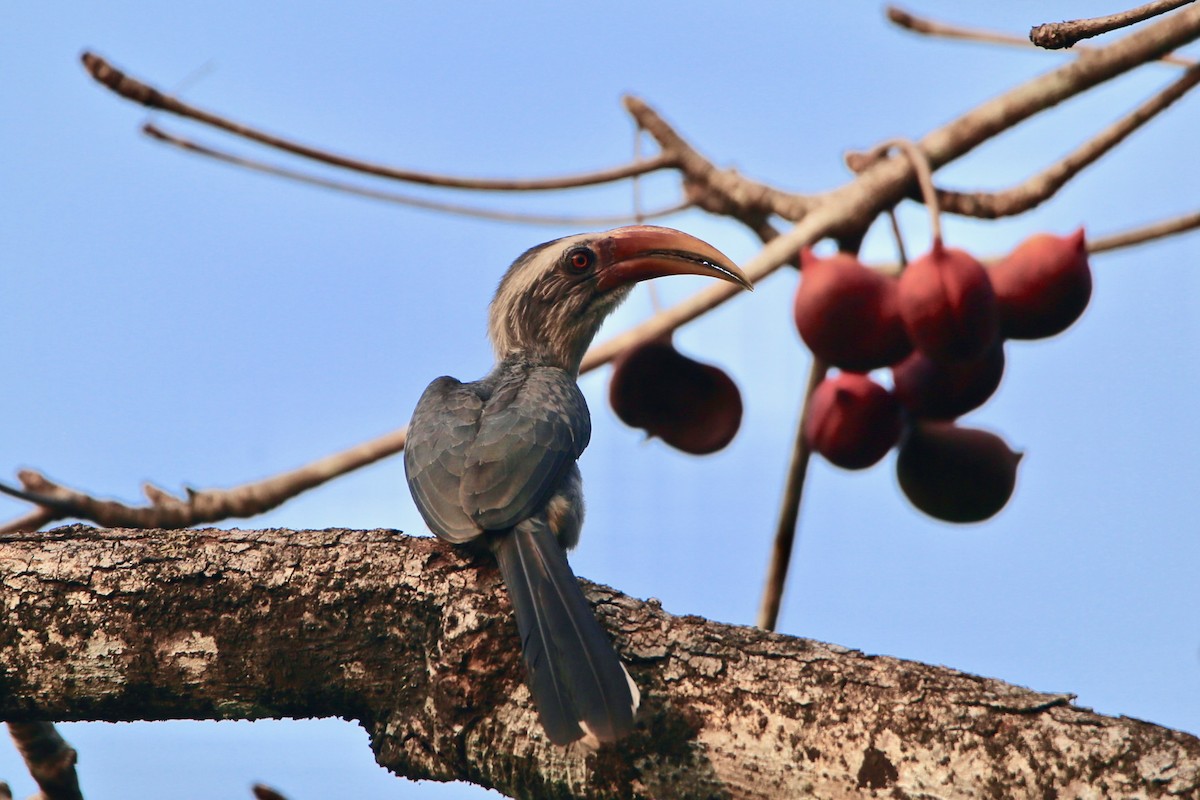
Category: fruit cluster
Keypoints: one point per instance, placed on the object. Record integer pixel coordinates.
(940, 328)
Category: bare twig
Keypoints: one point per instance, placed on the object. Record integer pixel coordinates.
(789, 513)
(51, 761)
(929, 27)
(1145, 233)
(208, 505)
(1040, 187)
(146, 95)
(724, 192)
(391, 197)
(1059, 35)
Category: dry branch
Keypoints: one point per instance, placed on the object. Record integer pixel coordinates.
(415, 641)
(1060, 35)
(789, 509)
(255, 165)
(1146, 233)
(50, 760)
(930, 27)
(142, 93)
(1044, 185)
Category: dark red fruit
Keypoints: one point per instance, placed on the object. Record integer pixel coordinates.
(1043, 285)
(691, 406)
(852, 421)
(940, 390)
(848, 314)
(956, 474)
(948, 306)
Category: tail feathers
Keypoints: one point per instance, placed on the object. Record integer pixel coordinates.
(578, 682)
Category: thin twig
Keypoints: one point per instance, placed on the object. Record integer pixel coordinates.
(898, 235)
(929, 27)
(789, 513)
(1059, 35)
(1145, 233)
(208, 505)
(51, 761)
(1040, 187)
(391, 197)
(146, 95)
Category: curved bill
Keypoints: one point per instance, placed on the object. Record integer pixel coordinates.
(641, 252)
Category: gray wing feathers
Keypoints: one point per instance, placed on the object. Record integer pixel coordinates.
(443, 427)
(532, 430)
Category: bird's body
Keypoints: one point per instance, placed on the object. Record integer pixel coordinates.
(493, 461)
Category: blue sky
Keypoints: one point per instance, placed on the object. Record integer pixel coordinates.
(175, 320)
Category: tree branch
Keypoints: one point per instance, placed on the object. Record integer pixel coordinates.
(158, 134)
(207, 505)
(414, 640)
(1060, 35)
(1044, 185)
(51, 761)
(1145, 233)
(142, 93)
(930, 27)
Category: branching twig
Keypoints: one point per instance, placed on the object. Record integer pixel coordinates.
(51, 761)
(929, 27)
(146, 95)
(407, 200)
(1044, 185)
(208, 505)
(1060, 35)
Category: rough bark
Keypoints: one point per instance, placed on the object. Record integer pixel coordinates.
(416, 642)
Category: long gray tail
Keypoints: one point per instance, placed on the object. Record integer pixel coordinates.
(577, 679)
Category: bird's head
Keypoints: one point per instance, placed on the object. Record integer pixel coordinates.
(555, 296)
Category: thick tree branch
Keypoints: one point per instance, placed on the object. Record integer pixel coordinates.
(416, 642)
(1059, 35)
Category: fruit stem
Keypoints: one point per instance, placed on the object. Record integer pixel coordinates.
(920, 163)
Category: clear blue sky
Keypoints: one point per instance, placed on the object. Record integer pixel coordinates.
(166, 318)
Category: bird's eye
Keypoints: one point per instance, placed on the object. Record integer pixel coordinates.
(580, 260)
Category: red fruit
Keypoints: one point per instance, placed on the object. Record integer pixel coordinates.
(1043, 285)
(691, 406)
(956, 474)
(948, 306)
(938, 390)
(848, 314)
(852, 421)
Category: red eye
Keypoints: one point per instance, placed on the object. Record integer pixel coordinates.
(580, 260)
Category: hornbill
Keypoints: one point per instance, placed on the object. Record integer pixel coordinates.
(492, 462)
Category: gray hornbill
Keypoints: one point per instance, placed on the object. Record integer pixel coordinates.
(492, 462)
